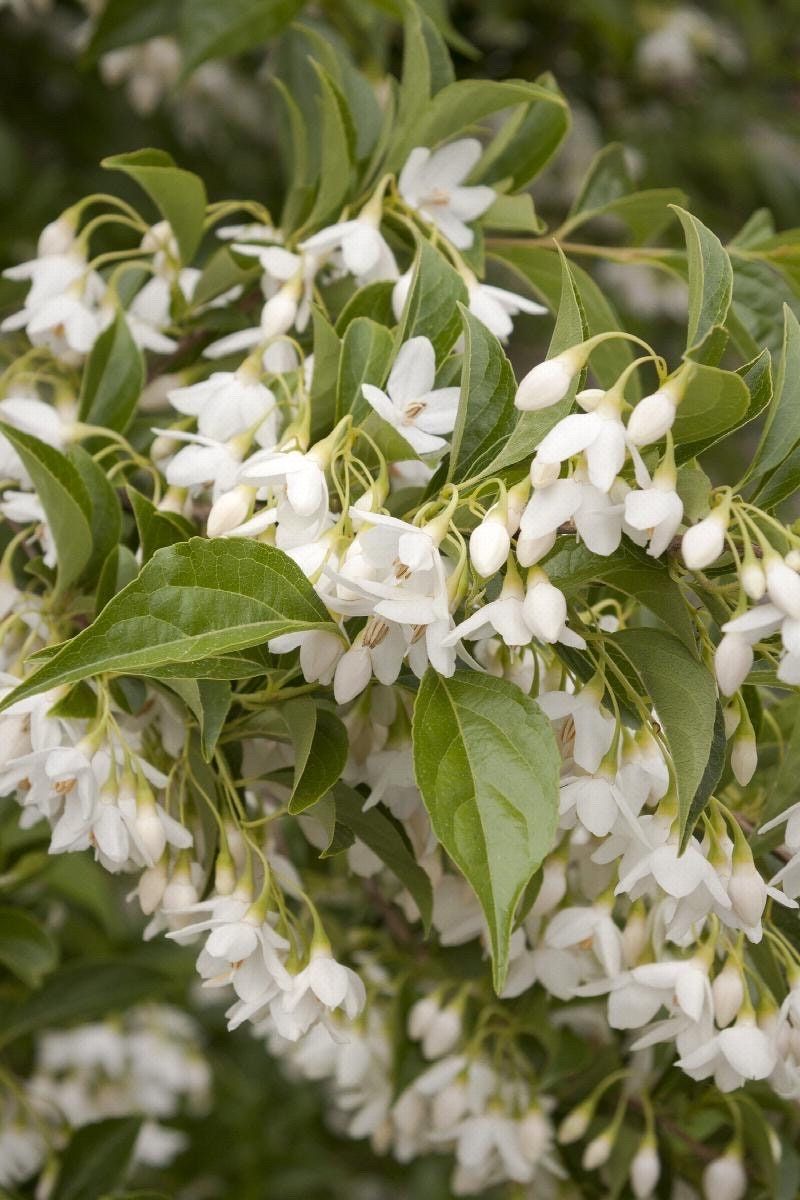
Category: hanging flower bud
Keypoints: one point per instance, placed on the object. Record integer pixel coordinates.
(753, 580)
(575, 1123)
(744, 752)
(783, 586)
(733, 659)
(590, 398)
(151, 885)
(549, 381)
(703, 543)
(725, 1177)
(747, 889)
(598, 1151)
(229, 510)
(150, 832)
(544, 473)
(654, 415)
(645, 1169)
(544, 607)
(727, 991)
(490, 543)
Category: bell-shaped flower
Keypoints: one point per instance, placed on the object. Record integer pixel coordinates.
(598, 435)
(364, 251)
(432, 182)
(656, 510)
(738, 1053)
(588, 729)
(496, 307)
(226, 404)
(597, 518)
(411, 404)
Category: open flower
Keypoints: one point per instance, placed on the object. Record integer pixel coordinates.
(410, 403)
(432, 182)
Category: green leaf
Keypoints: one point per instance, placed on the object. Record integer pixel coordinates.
(126, 22)
(570, 565)
(156, 529)
(209, 29)
(514, 213)
(367, 351)
(374, 300)
(542, 270)
(26, 948)
(426, 69)
(320, 749)
(209, 700)
(711, 776)
(714, 402)
(106, 513)
(65, 500)
(430, 308)
(486, 413)
(386, 838)
(527, 141)
(461, 104)
(710, 277)
(179, 195)
(113, 378)
(607, 190)
(487, 766)
(221, 273)
(336, 134)
(606, 179)
(782, 430)
(324, 379)
(191, 602)
(729, 415)
(96, 1158)
(119, 569)
(684, 696)
(81, 991)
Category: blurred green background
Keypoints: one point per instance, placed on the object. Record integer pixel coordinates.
(704, 98)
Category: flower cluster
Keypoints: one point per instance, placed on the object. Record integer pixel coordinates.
(335, 507)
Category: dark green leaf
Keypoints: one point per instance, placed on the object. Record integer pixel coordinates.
(26, 948)
(113, 378)
(320, 750)
(486, 413)
(191, 602)
(179, 195)
(385, 837)
(487, 766)
(209, 29)
(430, 309)
(97, 1158)
(710, 277)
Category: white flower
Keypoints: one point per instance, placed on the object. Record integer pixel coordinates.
(438, 1029)
(226, 404)
(545, 611)
(783, 586)
(733, 659)
(658, 510)
(598, 520)
(645, 1170)
(432, 182)
(332, 984)
(363, 248)
(600, 435)
(320, 651)
(743, 1051)
(495, 307)
(588, 927)
(504, 616)
(410, 403)
(588, 728)
(204, 460)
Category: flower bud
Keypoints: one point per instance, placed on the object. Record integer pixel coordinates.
(57, 237)
(320, 651)
(733, 658)
(645, 1169)
(654, 415)
(727, 991)
(598, 1151)
(449, 1106)
(549, 381)
(575, 1123)
(590, 398)
(725, 1177)
(151, 885)
(353, 673)
(703, 543)
(443, 1033)
(543, 474)
(744, 753)
(531, 550)
(533, 1133)
(753, 580)
(420, 1016)
(783, 586)
(224, 873)
(544, 608)
(229, 510)
(279, 313)
(747, 891)
(180, 892)
(553, 889)
(634, 935)
(400, 294)
(489, 545)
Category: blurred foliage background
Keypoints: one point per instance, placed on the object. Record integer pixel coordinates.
(703, 98)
